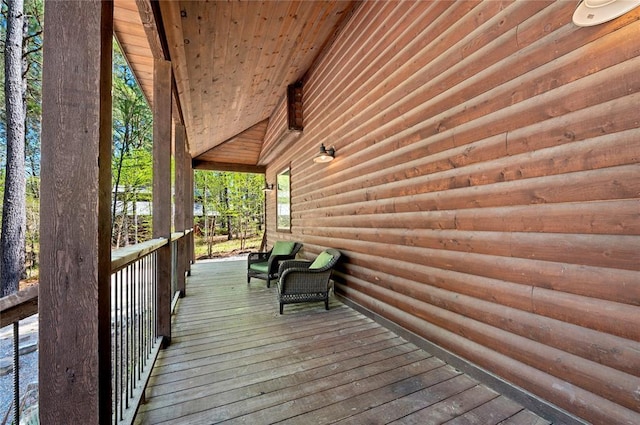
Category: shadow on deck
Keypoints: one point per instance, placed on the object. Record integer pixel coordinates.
(234, 359)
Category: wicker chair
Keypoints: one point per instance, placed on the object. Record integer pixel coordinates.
(302, 281)
(264, 265)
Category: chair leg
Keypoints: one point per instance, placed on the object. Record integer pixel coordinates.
(326, 303)
(268, 283)
(281, 308)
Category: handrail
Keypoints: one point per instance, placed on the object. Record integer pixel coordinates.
(126, 263)
(135, 341)
(126, 255)
(177, 235)
(24, 303)
(19, 305)
(122, 257)
(13, 308)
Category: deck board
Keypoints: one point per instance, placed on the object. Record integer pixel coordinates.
(233, 359)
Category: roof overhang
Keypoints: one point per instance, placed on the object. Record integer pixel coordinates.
(232, 65)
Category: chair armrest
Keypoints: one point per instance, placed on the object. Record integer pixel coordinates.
(282, 257)
(303, 280)
(276, 260)
(301, 265)
(258, 257)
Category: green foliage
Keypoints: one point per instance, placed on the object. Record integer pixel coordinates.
(132, 160)
(231, 202)
(222, 247)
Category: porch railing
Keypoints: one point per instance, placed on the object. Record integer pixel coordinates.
(134, 339)
(13, 309)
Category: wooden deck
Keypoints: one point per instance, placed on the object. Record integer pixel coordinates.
(234, 359)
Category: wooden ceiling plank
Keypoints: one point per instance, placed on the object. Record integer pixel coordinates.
(126, 16)
(139, 40)
(140, 59)
(195, 21)
(241, 39)
(274, 62)
(244, 148)
(253, 65)
(239, 59)
(127, 29)
(135, 50)
(171, 13)
(294, 51)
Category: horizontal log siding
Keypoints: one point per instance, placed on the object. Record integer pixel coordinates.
(276, 126)
(486, 188)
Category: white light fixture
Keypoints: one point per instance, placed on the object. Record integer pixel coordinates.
(267, 187)
(325, 155)
(594, 12)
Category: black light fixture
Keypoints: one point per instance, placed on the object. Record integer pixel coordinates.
(267, 187)
(594, 12)
(325, 155)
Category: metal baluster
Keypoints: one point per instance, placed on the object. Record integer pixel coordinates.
(121, 353)
(147, 314)
(155, 295)
(140, 318)
(136, 296)
(143, 273)
(132, 319)
(16, 372)
(116, 346)
(127, 335)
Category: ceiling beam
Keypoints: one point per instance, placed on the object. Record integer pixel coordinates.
(225, 166)
(151, 17)
(151, 28)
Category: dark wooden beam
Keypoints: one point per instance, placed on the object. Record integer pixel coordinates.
(180, 175)
(104, 214)
(152, 22)
(181, 166)
(150, 28)
(192, 248)
(162, 190)
(220, 166)
(75, 338)
(294, 106)
(188, 216)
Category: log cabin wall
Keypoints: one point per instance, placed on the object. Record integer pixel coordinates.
(485, 191)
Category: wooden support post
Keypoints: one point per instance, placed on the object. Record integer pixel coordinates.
(162, 191)
(192, 246)
(75, 220)
(181, 204)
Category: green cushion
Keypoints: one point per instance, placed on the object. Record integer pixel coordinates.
(260, 267)
(282, 248)
(322, 260)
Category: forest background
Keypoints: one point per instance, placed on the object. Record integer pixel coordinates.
(228, 206)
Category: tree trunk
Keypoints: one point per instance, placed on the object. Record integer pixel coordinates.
(242, 228)
(14, 203)
(226, 204)
(135, 217)
(211, 232)
(120, 162)
(125, 226)
(117, 229)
